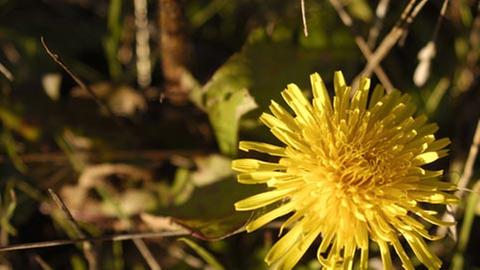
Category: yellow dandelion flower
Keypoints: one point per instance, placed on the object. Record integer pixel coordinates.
(350, 172)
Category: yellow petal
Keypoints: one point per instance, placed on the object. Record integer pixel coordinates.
(273, 122)
(339, 82)
(425, 158)
(262, 147)
(385, 254)
(262, 199)
(360, 98)
(320, 93)
(420, 249)
(297, 101)
(377, 95)
(284, 244)
(438, 144)
(402, 254)
(271, 215)
(262, 177)
(298, 250)
(249, 165)
(283, 115)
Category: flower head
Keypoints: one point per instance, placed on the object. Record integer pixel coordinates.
(350, 172)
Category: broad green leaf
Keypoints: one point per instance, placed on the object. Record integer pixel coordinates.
(209, 213)
(225, 99)
(264, 67)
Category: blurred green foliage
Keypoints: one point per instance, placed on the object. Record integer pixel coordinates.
(178, 156)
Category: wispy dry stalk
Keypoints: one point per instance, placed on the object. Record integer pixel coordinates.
(82, 85)
(6, 72)
(362, 45)
(188, 259)
(407, 17)
(60, 157)
(44, 265)
(142, 49)
(463, 181)
(118, 237)
(428, 52)
(147, 255)
(304, 18)
(443, 11)
(88, 249)
(174, 48)
(380, 13)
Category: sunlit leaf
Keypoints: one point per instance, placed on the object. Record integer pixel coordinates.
(209, 213)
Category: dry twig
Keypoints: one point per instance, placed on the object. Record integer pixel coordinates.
(87, 246)
(362, 44)
(407, 17)
(428, 52)
(142, 48)
(147, 255)
(463, 181)
(118, 237)
(80, 83)
(380, 13)
(304, 18)
(44, 265)
(60, 157)
(6, 72)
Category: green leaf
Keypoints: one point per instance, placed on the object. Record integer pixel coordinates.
(225, 98)
(264, 67)
(225, 117)
(209, 213)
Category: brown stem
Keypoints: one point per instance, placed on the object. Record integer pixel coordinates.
(174, 48)
(408, 15)
(362, 45)
(88, 248)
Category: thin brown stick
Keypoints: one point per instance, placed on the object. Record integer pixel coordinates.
(405, 12)
(6, 72)
(304, 18)
(362, 44)
(80, 83)
(44, 265)
(178, 253)
(67, 213)
(469, 164)
(88, 250)
(392, 37)
(428, 52)
(142, 48)
(380, 13)
(147, 255)
(118, 237)
(443, 11)
(60, 157)
(464, 180)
